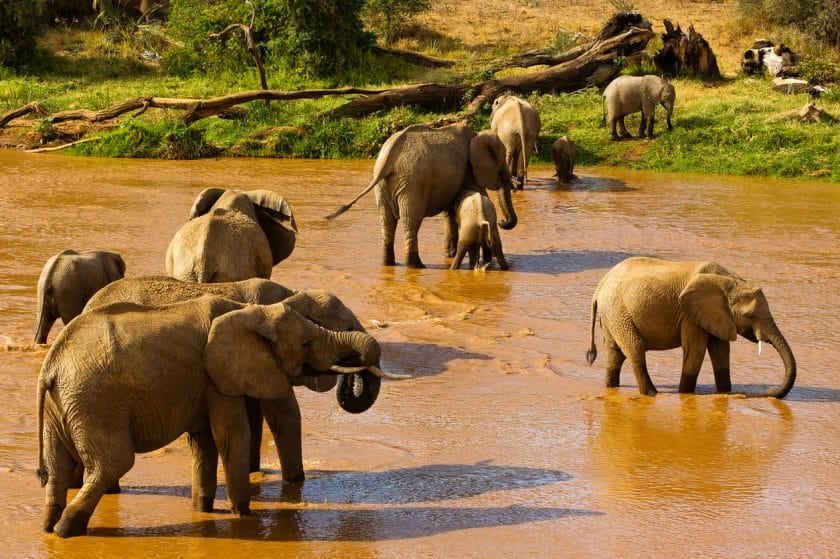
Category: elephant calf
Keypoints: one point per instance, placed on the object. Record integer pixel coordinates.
(477, 229)
(630, 94)
(68, 280)
(650, 304)
(564, 151)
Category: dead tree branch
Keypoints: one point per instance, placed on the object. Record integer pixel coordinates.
(250, 43)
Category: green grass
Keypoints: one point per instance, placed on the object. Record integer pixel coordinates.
(722, 128)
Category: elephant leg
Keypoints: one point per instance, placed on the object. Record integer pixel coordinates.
(642, 124)
(500, 256)
(255, 422)
(719, 355)
(459, 255)
(411, 229)
(100, 476)
(486, 253)
(650, 126)
(473, 252)
(205, 462)
(694, 342)
(389, 229)
(62, 473)
(613, 133)
(450, 230)
(229, 425)
(283, 418)
(615, 359)
(624, 132)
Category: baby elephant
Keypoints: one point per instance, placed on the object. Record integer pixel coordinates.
(477, 229)
(68, 280)
(649, 304)
(564, 151)
(630, 94)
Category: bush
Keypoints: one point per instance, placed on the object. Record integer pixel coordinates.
(317, 38)
(390, 18)
(20, 21)
(818, 18)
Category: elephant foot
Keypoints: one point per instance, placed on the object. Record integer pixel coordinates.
(388, 256)
(648, 391)
(73, 525)
(615, 138)
(203, 504)
(52, 514)
(412, 260)
(291, 492)
(113, 489)
(241, 509)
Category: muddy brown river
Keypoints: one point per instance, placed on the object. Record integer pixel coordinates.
(505, 442)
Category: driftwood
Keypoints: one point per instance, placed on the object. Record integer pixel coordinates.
(624, 36)
(686, 52)
(62, 146)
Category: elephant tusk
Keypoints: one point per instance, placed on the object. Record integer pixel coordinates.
(390, 376)
(759, 347)
(346, 370)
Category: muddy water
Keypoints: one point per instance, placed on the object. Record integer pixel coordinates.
(504, 443)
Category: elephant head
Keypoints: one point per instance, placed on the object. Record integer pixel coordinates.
(727, 307)
(232, 235)
(490, 172)
(261, 351)
(356, 392)
(659, 90)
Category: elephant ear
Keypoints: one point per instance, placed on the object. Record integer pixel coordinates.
(487, 156)
(705, 302)
(274, 214)
(239, 355)
(114, 266)
(205, 200)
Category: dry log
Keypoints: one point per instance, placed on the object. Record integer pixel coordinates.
(686, 52)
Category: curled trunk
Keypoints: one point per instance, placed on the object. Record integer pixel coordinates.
(357, 392)
(786, 354)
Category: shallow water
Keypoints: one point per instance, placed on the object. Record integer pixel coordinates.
(504, 443)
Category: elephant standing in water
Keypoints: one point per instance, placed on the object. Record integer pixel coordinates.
(477, 231)
(650, 304)
(630, 94)
(356, 393)
(420, 172)
(184, 367)
(68, 280)
(232, 235)
(517, 123)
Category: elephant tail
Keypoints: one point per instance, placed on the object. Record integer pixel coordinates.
(593, 352)
(349, 205)
(43, 386)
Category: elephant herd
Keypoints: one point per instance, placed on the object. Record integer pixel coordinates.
(215, 348)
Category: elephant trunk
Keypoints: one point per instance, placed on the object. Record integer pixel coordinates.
(357, 392)
(786, 354)
(506, 204)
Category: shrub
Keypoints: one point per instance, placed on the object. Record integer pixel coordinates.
(817, 18)
(20, 21)
(390, 18)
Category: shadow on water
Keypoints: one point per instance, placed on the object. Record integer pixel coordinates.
(424, 360)
(324, 517)
(567, 262)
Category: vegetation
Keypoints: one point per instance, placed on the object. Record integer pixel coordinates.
(20, 22)
(722, 127)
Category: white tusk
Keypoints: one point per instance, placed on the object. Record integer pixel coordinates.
(759, 347)
(346, 370)
(390, 376)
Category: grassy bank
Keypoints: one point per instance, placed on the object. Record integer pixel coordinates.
(728, 127)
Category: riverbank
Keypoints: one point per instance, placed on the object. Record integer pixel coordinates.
(732, 126)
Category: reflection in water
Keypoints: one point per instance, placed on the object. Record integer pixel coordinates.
(504, 443)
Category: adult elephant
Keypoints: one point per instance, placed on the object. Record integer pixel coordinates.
(356, 392)
(232, 235)
(517, 123)
(420, 172)
(651, 304)
(630, 94)
(68, 280)
(185, 367)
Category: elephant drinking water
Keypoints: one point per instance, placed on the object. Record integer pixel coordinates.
(650, 304)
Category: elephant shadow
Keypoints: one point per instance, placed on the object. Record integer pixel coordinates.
(423, 360)
(378, 506)
(567, 262)
(797, 393)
